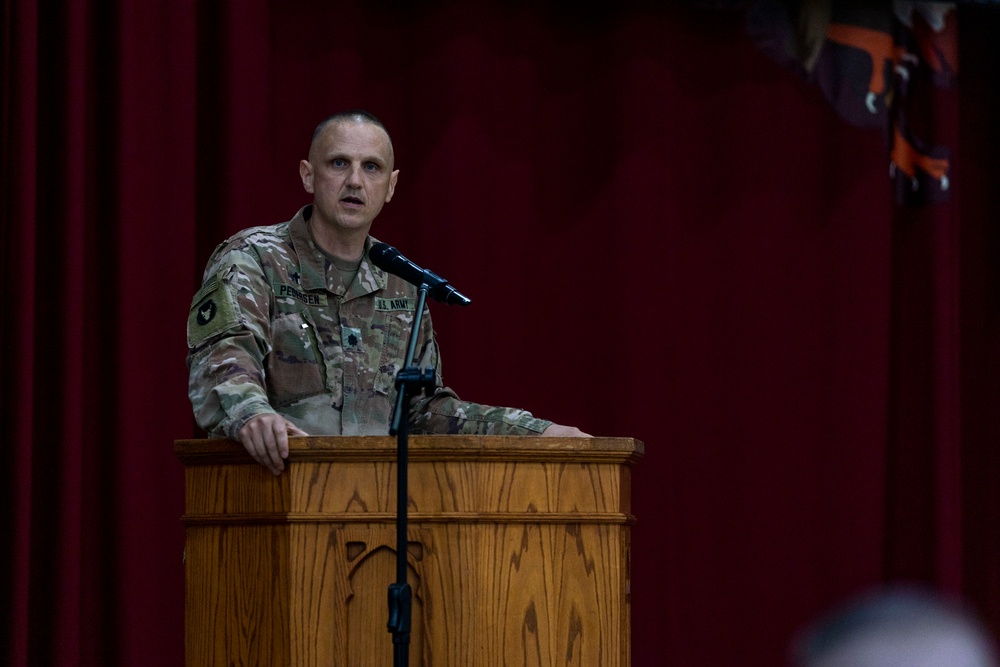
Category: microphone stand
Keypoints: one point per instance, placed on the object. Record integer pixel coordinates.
(410, 381)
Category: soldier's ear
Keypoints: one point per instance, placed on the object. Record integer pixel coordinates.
(306, 173)
(392, 185)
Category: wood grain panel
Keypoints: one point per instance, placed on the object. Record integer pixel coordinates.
(518, 554)
(237, 591)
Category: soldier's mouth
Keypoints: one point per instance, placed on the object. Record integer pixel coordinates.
(352, 200)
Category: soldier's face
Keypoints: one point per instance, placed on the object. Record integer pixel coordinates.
(349, 173)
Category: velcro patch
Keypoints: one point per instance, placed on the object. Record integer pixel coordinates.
(402, 303)
(212, 312)
(308, 298)
(352, 338)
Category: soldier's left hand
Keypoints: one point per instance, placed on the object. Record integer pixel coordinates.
(560, 431)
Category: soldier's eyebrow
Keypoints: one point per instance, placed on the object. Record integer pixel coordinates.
(377, 159)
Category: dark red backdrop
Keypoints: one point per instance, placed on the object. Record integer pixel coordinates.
(666, 234)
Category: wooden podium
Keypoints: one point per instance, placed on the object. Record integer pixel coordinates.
(518, 551)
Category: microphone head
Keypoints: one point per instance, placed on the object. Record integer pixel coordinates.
(390, 260)
(381, 254)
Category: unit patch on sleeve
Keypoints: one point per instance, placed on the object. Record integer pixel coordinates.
(212, 312)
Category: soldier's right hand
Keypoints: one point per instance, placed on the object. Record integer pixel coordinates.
(266, 439)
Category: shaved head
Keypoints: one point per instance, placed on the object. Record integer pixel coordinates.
(348, 116)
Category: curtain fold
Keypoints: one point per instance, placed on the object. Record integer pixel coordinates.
(925, 443)
(667, 235)
(18, 334)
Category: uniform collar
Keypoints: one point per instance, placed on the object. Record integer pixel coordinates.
(370, 278)
(313, 264)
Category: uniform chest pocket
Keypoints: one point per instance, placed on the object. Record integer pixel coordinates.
(295, 367)
(395, 325)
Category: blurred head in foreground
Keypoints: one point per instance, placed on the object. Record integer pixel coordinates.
(896, 628)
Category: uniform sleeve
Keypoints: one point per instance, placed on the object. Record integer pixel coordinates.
(444, 412)
(228, 339)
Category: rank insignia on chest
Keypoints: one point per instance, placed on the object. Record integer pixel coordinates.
(352, 338)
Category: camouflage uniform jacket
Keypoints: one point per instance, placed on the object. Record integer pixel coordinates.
(273, 329)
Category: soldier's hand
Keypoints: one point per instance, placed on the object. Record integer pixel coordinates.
(560, 431)
(266, 439)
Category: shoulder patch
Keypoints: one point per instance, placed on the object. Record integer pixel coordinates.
(212, 312)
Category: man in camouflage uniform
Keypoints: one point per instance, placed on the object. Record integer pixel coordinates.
(295, 332)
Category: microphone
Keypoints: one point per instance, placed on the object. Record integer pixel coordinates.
(387, 258)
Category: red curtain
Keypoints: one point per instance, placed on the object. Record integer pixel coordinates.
(666, 234)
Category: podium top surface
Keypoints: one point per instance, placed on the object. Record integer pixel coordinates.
(423, 448)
